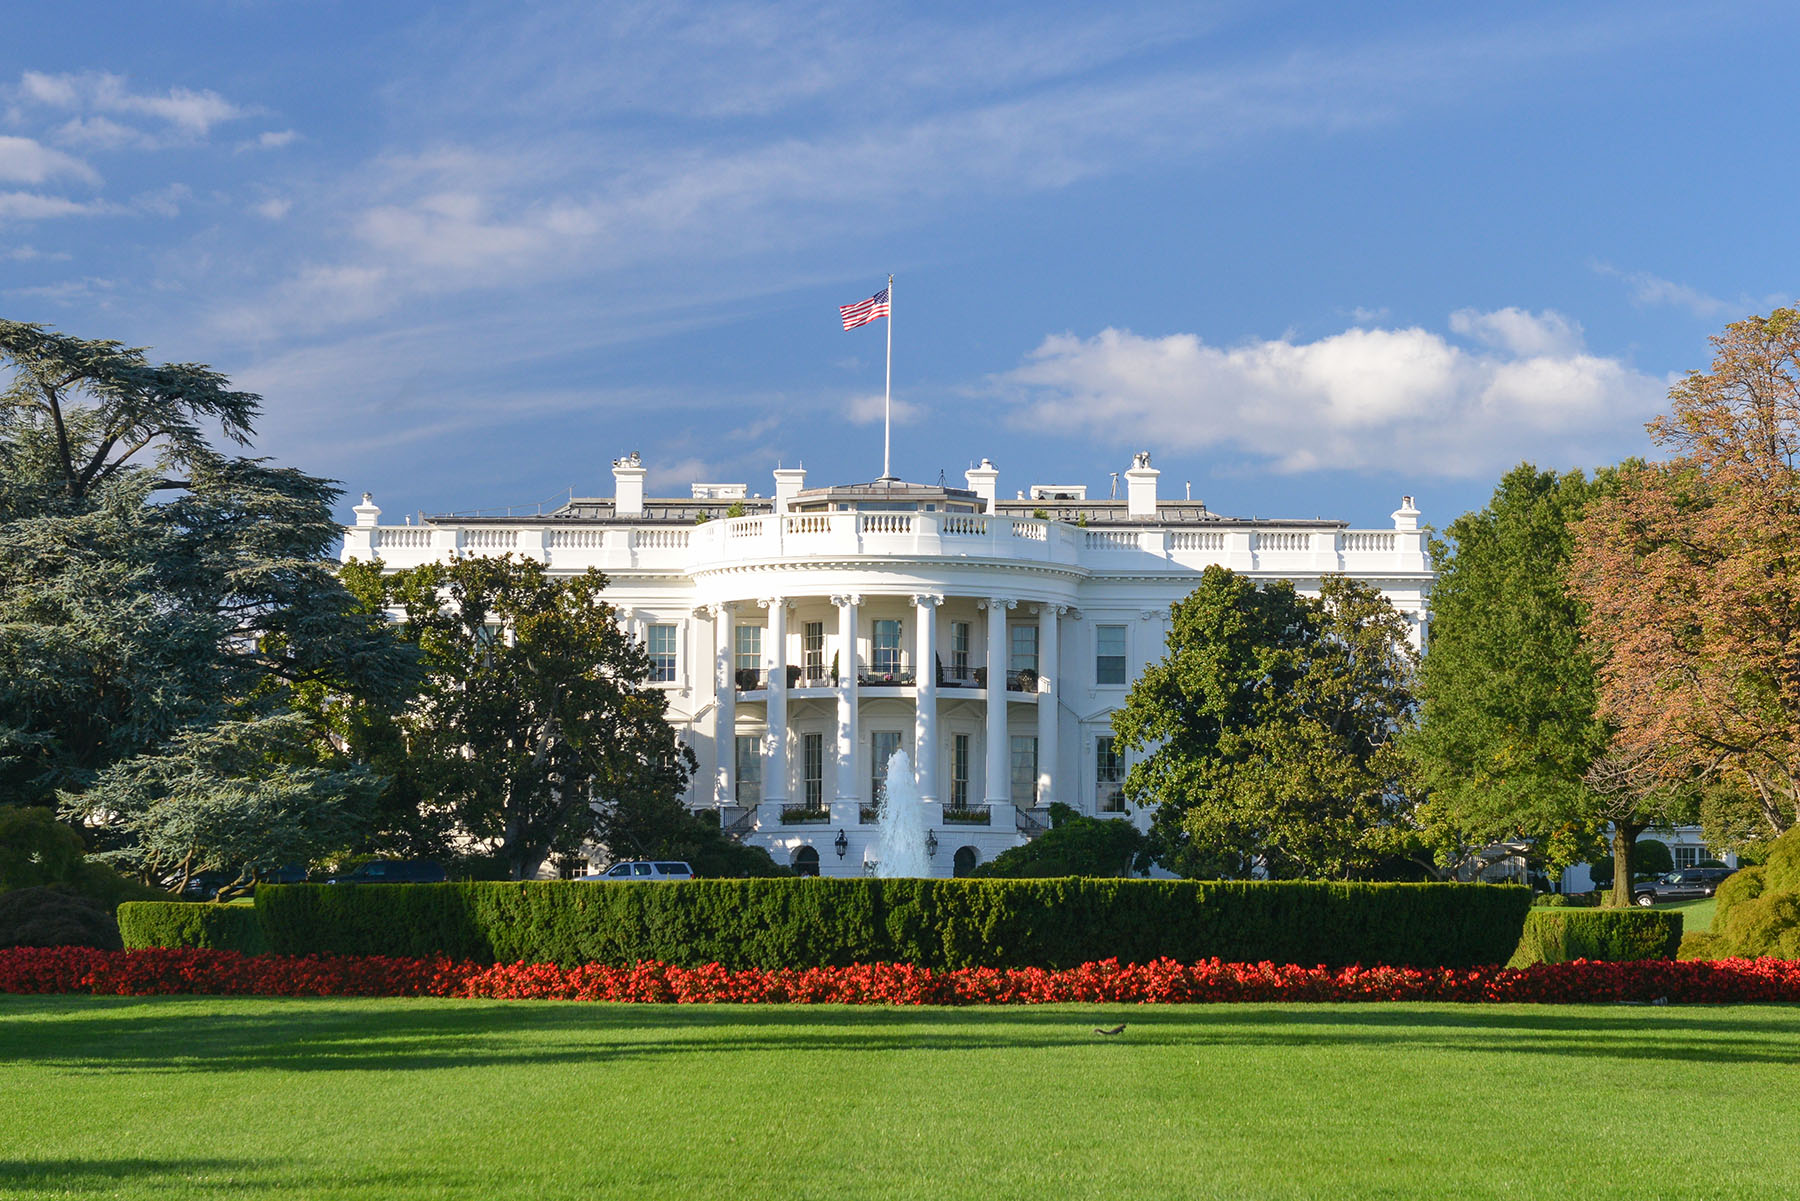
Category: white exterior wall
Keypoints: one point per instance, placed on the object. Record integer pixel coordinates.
(1124, 574)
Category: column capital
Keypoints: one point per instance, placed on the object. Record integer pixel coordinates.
(716, 609)
(770, 602)
(926, 600)
(1153, 614)
(997, 602)
(1061, 610)
(844, 600)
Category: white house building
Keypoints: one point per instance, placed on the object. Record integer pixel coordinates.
(805, 637)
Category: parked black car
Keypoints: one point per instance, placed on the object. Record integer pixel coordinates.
(1688, 884)
(394, 871)
(208, 884)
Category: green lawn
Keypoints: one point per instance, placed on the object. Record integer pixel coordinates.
(200, 1097)
(1696, 916)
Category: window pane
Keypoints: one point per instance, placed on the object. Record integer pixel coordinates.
(959, 772)
(1109, 655)
(1109, 776)
(882, 745)
(812, 771)
(749, 769)
(1024, 768)
(887, 646)
(812, 650)
(662, 653)
(1024, 648)
(959, 650)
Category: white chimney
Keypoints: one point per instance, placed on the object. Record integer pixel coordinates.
(1140, 486)
(1406, 517)
(367, 513)
(984, 481)
(628, 486)
(788, 482)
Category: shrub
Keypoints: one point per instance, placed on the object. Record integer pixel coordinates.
(48, 916)
(1699, 945)
(205, 924)
(1651, 857)
(1607, 935)
(1745, 884)
(927, 923)
(1769, 924)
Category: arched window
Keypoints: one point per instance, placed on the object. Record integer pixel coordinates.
(806, 861)
(966, 859)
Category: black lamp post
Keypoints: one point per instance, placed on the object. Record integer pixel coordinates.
(931, 844)
(842, 844)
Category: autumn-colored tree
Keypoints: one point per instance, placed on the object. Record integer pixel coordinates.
(1691, 576)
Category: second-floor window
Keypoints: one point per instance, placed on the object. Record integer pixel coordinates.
(812, 651)
(886, 648)
(1109, 654)
(662, 654)
(1024, 649)
(747, 654)
(959, 650)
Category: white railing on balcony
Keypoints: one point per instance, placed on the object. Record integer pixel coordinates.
(745, 541)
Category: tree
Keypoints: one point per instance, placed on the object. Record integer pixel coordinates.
(1074, 846)
(1508, 726)
(1632, 794)
(1268, 730)
(1691, 575)
(535, 729)
(152, 589)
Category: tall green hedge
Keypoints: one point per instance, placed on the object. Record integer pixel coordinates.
(1609, 935)
(933, 923)
(191, 924)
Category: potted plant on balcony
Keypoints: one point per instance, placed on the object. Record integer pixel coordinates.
(793, 675)
(747, 680)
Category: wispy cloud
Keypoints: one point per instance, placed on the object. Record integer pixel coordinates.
(182, 114)
(24, 160)
(1364, 399)
(1652, 290)
(36, 206)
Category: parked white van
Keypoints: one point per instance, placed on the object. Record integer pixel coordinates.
(639, 871)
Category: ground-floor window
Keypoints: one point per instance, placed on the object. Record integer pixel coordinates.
(1024, 769)
(749, 770)
(812, 770)
(882, 745)
(1109, 776)
(1687, 855)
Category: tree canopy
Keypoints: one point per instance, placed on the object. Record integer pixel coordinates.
(1267, 732)
(1691, 576)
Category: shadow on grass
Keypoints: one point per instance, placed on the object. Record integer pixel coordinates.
(233, 1177)
(203, 1034)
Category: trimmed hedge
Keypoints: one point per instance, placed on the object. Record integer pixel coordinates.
(1607, 935)
(946, 924)
(204, 924)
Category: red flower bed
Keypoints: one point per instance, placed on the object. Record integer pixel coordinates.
(227, 973)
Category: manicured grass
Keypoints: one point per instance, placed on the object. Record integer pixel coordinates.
(1696, 916)
(238, 1098)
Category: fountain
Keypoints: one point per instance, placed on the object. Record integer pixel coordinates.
(900, 839)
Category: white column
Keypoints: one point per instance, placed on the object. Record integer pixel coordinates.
(724, 707)
(925, 673)
(999, 767)
(775, 742)
(1049, 689)
(846, 706)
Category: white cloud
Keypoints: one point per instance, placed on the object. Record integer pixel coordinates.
(1397, 399)
(1653, 290)
(102, 133)
(31, 254)
(35, 206)
(272, 139)
(23, 160)
(184, 111)
(165, 201)
(867, 410)
(274, 208)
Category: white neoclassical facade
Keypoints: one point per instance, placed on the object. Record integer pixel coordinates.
(805, 637)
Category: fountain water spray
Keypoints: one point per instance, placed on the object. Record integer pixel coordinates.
(900, 837)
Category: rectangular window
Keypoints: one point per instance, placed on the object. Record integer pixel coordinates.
(959, 772)
(1024, 649)
(1687, 856)
(748, 656)
(812, 769)
(662, 654)
(886, 648)
(959, 652)
(1109, 776)
(1024, 768)
(812, 651)
(1109, 654)
(882, 745)
(749, 770)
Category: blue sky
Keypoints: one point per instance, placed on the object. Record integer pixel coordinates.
(1311, 256)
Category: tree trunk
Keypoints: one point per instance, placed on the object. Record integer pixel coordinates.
(1624, 841)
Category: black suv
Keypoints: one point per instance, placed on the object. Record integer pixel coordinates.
(394, 871)
(1688, 884)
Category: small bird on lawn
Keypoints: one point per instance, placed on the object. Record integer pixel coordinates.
(1110, 1030)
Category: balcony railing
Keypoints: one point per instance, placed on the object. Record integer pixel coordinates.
(965, 676)
(884, 674)
(1022, 681)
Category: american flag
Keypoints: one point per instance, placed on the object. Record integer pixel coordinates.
(865, 311)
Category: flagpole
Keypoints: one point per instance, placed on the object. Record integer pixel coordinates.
(887, 397)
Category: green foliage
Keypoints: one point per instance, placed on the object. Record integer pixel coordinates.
(187, 924)
(1074, 846)
(1507, 725)
(1609, 935)
(52, 916)
(1651, 857)
(1698, 944)
(932, 923)
(1745, 884)
(155, 594)
(1758, 910)
(35, 848)
(535, 703)
(1267, 732)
